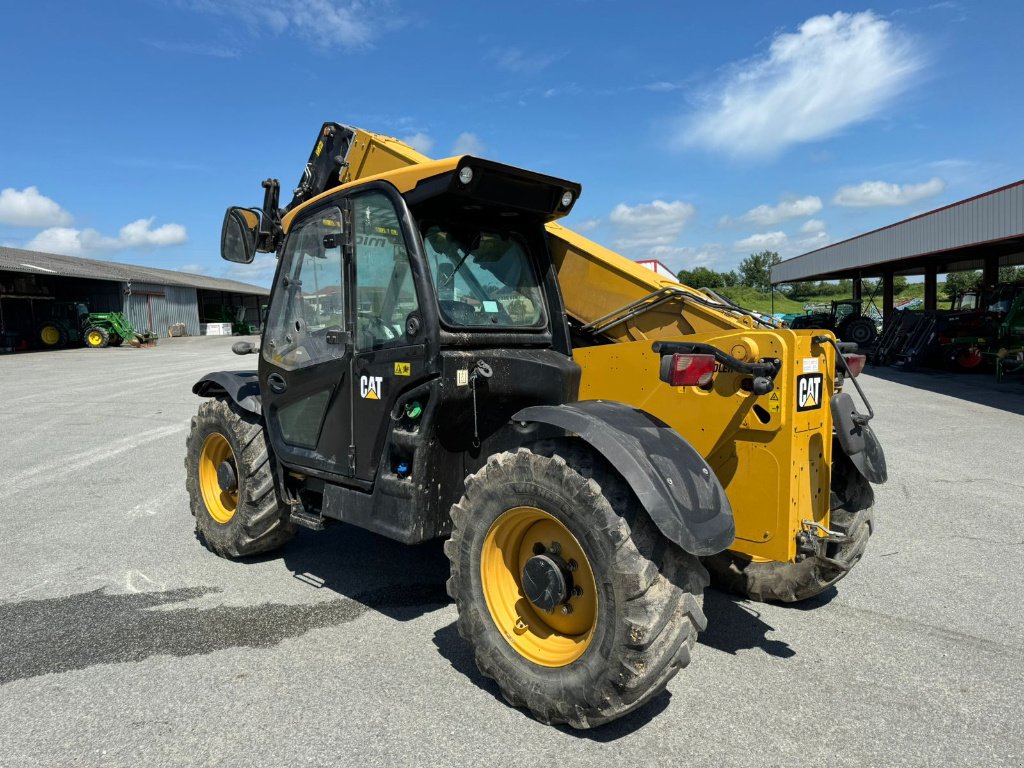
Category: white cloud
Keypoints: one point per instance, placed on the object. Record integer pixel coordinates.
(874, 193)
(194, 269)
(771, 241)
(138, 234)
(833, 72)
(518, 60)
(260, 271)
(586, 225)
(467, 144)
(650, 224)
(349, 24)
(787, 209)
(421, 142)
(28, 208)
(812, 227)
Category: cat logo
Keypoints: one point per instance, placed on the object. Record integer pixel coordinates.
(370, 387)
(808, 391)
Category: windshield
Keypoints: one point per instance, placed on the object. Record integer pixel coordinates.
(483, 279)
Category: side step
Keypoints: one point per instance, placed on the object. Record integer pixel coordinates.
(299, 516)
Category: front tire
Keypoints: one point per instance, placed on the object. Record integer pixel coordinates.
(52, 336)
(852, 513)
(96, 337)
(860, 330)
(612, 651)
(245, 517)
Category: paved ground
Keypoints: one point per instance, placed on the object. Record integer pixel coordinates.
(123, 642)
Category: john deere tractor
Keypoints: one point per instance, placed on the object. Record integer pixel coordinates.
(844, 319)
(442, 360)
(72, 322)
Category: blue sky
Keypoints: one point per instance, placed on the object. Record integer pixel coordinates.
(700, 132)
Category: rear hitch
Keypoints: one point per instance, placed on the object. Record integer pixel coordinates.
(813, 541)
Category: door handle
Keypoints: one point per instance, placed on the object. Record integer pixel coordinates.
(277, 383)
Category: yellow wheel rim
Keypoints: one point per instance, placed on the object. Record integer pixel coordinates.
(550, 639)
(95, 339)
(49, 335)
(220, 504)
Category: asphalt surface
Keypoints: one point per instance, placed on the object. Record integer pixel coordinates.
(124, 642)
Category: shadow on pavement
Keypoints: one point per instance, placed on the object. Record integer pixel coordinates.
(458, 653)
(980, 388)
(735, 625)
(400, 581)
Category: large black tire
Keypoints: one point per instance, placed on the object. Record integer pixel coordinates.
(649, 591)
(852, 513)
(860, 330)
(259, 519)
(96, 337)
(52, 335)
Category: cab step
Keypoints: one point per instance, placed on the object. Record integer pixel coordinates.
(306, 519)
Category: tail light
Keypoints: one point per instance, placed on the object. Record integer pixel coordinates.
(687, 370)
(855, 363)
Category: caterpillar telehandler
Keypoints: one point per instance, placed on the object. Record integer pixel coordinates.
(441, 359)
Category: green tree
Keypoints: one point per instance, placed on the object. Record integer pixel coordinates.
(899, 284)
(1011, 274)
(958, 282)
(755, 270)
(701, 277)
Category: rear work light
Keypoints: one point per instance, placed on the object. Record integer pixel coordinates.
(855, 363)
(687, 370)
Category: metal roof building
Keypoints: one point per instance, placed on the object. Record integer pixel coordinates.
(982, 232)
(33, 283)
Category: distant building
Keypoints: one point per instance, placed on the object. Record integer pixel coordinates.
(33, 285)
(656, 266)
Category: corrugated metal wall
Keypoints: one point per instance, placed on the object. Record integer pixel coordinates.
(155, 308)
(994, 216)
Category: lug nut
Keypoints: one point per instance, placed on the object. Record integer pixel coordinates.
(555, 548)
(566, 610)
(577, 591)
(573, 565)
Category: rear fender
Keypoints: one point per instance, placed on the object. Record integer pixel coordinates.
(672, 481)
(241, 386)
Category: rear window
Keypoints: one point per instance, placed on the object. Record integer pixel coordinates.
(483, 279)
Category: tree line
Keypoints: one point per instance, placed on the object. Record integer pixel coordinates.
(755, 272)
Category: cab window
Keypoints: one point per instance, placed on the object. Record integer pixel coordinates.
(309, 299)
(385, 292)
(483, 278)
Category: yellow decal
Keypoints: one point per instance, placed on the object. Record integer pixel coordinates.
(370, 387)
(774, 403)
(319, 148)
(403, 369)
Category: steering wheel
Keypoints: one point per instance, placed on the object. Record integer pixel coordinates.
(381, 330)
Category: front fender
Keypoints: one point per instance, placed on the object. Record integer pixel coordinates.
(672, 481)
(241, 386)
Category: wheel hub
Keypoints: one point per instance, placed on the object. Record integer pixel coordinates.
(227, 478)
(547, 581)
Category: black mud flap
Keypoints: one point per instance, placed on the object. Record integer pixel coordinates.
(241, 386)
(674, 484)
(858, 440)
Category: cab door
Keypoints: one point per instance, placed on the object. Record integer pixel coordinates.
(306, 353)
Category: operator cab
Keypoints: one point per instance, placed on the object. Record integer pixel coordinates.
(417, 307)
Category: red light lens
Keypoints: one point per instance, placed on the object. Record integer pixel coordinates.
(691, 370)
(855, 363)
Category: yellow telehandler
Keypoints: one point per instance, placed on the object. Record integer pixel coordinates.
(441, 359)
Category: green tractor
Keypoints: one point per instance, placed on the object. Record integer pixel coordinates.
(71, 322)
(844, 319)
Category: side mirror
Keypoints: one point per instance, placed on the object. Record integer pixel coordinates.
(239, 234)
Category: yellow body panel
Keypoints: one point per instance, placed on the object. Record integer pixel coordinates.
(775, 467)
(772, 460)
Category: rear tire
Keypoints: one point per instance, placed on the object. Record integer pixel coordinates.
(852, 513)
(649, 592)
(96, 337)
(859, 330)
(252, 519)
(52, 336)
